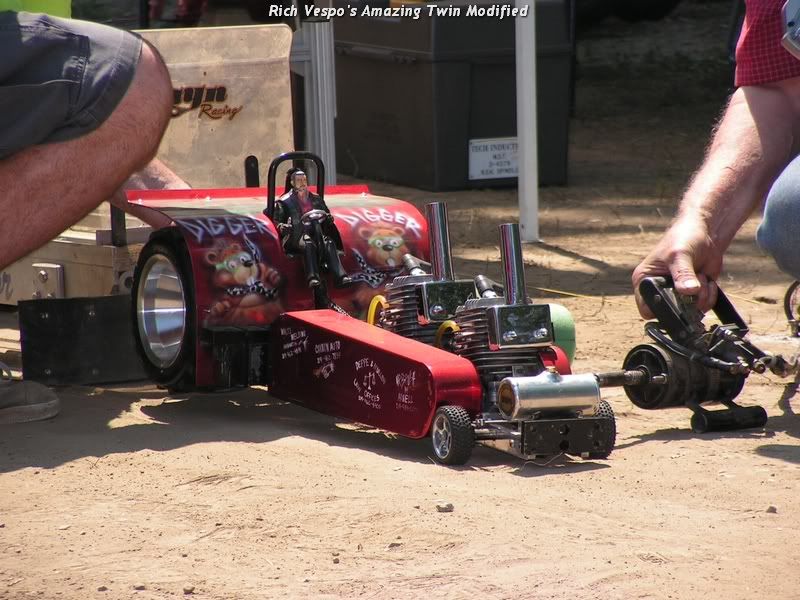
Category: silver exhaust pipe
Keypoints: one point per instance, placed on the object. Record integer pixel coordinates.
(439, 239)
(513, 265)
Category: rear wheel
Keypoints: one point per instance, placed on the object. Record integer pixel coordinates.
(163, 313)
(452, 435)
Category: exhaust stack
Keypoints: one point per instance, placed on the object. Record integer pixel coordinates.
(513, 266)
(439, 236)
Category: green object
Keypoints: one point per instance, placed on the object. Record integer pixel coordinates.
(57, 8)
(563, 330)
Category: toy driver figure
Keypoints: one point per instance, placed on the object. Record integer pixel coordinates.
(306, 225)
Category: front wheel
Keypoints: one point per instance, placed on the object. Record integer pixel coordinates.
(452, 435)
(604, 411)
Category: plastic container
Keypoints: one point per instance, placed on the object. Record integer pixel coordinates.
(431, 102)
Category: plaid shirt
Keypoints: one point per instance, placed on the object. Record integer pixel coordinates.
(760, 58)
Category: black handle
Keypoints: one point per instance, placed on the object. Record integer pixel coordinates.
(671, 317)
(251, 177)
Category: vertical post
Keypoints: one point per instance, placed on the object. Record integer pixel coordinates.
(144, 14)
(119, 233)
(528, 177)
(320, 94)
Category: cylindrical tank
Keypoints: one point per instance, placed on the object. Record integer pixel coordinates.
(520, 397)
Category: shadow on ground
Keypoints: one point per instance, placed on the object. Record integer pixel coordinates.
(787, 422)
(89, 426)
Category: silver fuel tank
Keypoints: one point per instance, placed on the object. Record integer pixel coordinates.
(521, 397)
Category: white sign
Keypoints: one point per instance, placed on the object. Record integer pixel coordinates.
(493, 158)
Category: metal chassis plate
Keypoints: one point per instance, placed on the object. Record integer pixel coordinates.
(547, 437)
(448, 295)
(519, 321)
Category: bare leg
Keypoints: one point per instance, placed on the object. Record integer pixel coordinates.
(47, 188)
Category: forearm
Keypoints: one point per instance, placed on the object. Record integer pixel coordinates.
(155, 176)
(752, 144)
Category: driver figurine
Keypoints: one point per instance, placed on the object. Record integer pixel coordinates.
(312, 233)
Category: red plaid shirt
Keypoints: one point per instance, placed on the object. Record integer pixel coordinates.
(760, 58)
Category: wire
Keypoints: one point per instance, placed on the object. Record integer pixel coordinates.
(656, 334)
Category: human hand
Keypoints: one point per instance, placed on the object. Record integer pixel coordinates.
(690, 256)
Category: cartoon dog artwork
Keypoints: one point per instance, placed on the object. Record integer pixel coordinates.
(246, 290)
(378, 256)
(385, 245)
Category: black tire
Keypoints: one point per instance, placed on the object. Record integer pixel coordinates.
(605, 411)
(452, 435)
(176, 373)
(644, 10)
(791, 303)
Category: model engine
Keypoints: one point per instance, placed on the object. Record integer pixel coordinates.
(531, 404)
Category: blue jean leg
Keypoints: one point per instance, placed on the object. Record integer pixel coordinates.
(779, 231)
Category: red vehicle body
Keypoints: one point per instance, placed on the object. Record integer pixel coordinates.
(231, 245)
(218, 303)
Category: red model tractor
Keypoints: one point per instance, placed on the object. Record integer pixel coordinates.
(218, 303)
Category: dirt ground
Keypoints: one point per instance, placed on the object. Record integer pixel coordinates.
(129, 494)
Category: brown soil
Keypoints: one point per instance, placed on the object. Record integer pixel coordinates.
(240, 496)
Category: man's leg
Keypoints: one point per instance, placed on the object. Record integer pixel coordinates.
(73, 148)
(310, 261)
(340, 277)
(47, 188)
(778, 232)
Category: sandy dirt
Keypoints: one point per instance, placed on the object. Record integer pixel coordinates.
(238, 496)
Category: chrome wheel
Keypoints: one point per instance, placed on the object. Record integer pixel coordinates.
(161, 311)
(442, 436)
(452, 435)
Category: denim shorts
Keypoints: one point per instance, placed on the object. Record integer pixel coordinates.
(59, 78)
